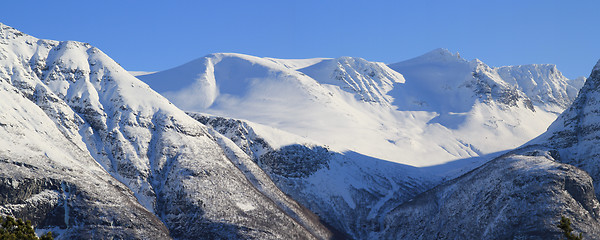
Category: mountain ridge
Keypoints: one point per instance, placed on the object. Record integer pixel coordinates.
(333, 100)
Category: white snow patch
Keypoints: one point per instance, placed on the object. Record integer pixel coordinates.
(140, 73)
(245, 206)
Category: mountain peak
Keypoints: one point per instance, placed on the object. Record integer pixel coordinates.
(439, 56)
(442, 53)
(231, 55)
(8, 32)
(347, 58)
(596, 68)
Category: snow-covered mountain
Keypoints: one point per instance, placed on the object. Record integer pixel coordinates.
(422, 112)
(268, 92)
(491, 109)
(89, 150)
(521, 194)
(289, 148)
(452, 84)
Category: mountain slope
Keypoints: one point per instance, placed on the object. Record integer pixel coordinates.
(41, 174)
(173, 165)
(349, 191)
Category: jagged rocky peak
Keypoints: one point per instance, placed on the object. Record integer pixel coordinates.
(596, 67)
(540, 85)
(580, 123)
(452, 83)
(523, 193)
(543, 83)
(8, 32)
(439, 55)
(368, 81)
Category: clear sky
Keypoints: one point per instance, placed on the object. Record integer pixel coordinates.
(157, 35)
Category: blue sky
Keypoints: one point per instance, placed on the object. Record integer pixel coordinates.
(157, 35)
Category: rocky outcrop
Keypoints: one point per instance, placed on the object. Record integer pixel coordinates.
(521, 195)
(576, 132)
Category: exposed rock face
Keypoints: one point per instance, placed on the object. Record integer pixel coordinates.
(520, 195)
(119, 158)
(296, 161)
